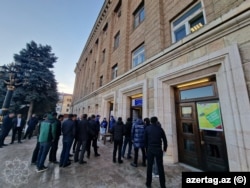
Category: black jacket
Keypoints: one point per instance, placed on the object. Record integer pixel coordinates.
(68, 129)
(127, 129)
(153, 137)
(95, 128)
(118, 130)
(15, 123)
(82, 130)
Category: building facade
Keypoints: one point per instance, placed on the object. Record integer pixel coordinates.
(186, 62)
(64, 104)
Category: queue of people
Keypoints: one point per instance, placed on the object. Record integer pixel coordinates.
(145, 135)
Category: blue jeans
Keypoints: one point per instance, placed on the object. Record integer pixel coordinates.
(127, 140)
(43, 151)
(65, 152)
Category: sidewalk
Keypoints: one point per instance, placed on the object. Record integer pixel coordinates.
(99, 172)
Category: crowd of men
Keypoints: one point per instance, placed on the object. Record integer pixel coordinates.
(82, 133)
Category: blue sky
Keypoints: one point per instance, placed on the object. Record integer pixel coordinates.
(65, 25)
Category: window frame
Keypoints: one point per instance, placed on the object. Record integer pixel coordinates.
(139, 14)
(136, 54)
(114, 71)
(185, 19)
(116, 40)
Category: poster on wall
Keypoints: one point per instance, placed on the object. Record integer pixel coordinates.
(209, 116)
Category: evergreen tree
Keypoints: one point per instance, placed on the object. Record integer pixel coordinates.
(34, 64)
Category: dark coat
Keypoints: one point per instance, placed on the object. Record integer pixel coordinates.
(15, 123)
(118, 131)
(95, 128)
(82, 131)
(128, 129)
(68, 129)
(154, 136)
(32, 123)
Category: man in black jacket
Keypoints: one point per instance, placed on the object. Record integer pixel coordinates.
(68, 130)
(82, 135)
(153, 137)
(93, 135)
(118, 132)
(31, 126)
(18, 124)
(128, 139)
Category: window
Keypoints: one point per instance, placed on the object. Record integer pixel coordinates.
(114, 71)
(101, 81)
(139, 15)
(191, 21)
(138, 56)
(118, 8)
(103, 55)
(105, 28)
(116, 40)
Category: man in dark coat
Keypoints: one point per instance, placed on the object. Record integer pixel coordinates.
(18, 124)
(31, 126)
(6, 127)
(82, 135)
(127, 139)
(118, 132)
(68, 131)
(93, 135)
(54, 146)
(153, 137)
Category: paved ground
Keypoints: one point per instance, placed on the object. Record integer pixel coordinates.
(99, 172)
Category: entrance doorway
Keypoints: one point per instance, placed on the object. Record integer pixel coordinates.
(136, 108)
(201, 140)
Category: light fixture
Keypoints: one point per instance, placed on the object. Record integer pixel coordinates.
(193, 83)
(136, 96)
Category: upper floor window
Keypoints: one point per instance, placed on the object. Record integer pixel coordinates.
(192, 20)
(139, 15)
(138, 56)
(114, 71)
(103, 55)
(117, 10)
(116, 40)
(101, 81)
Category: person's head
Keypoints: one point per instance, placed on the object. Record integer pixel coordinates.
(154, 120)
(33, 115)
(19, 115)
(98, 116)
(146, 121)
(119, 118)
(60, 117)
(93, 116)
(129, 119)
(11, 114)
(104, 119)
(84, 116)
(54, 114)
(70, 116)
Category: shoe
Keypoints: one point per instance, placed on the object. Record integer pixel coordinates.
(71, 155)
(5, 145)
(133, 164)
(82, 162)
(76, 161)
(148, 186)
(12, 143)
(88, 156)
(66, 165)
(121, 161)
(114, 160)
(42, 169)
(144, 164)
(19, 142)
(129, 157)
(97, 155)
(33, 163)
(55, 162)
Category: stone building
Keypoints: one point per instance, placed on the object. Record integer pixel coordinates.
(186, 62)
